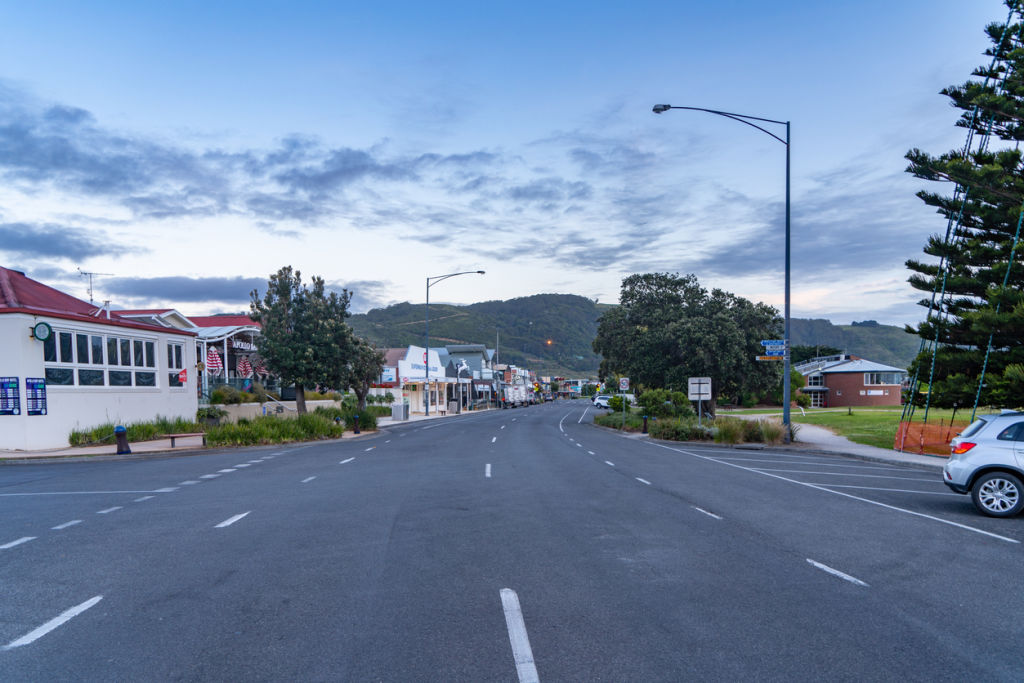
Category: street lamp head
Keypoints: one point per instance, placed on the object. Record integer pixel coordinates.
(480, 272)
(661, 108)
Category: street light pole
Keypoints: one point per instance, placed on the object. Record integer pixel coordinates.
(749, 120)
(431, 281)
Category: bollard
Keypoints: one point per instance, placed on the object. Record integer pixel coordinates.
(357, 424)
(645, 424)
(121, 434)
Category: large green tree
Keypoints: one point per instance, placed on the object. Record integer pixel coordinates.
(304, 338)
(970, 262)
(667, 328)
(365, 366)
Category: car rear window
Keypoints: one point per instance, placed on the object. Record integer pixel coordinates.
(974, 427)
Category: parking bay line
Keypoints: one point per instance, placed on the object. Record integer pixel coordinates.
(231, 520)
(876, 488)
(836, 572)
(839, 493)
(52, 624)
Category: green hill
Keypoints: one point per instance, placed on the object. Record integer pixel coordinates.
(526, 325)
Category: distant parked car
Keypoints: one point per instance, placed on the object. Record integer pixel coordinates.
(601, 401)
(548, 397)
(987, 460)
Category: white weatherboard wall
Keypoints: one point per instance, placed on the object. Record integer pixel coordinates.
(78, 407)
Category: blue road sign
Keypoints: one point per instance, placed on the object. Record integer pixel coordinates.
(773, 342)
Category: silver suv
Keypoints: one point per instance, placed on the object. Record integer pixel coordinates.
(987, 460)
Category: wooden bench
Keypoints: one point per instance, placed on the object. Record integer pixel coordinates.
(172, 437)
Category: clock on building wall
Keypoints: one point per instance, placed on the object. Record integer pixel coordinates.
(42, 331)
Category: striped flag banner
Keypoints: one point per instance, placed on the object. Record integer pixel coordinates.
(213, 363)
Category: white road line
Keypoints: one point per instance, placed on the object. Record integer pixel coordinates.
(526, 669)
(642, 481)
(842, 474)
(169, 489)
(502, 426)
(52, 624)
(369, 449)
(813, 463)
(109, 510)
(709, 514)
(580, 421)
(23, 539)
(514, 419)
(839, 493)
(231, 520)
(346, 461)
(493, 439)
(65, 525)
(876, 488)
(268, 457)
(572, 440)
(225, 471)
(308, 479)
(579, 445)
(253, 462)
(388, 441)
(208, 476)
(487, 471)
(190, 482)
(139, 500)
(836, 572)
(609, 463)
(591, 452)
(243, 464)
(69, 493)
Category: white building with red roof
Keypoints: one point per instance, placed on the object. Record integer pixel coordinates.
(68, 364)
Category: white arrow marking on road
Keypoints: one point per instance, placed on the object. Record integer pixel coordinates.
(65, 525)
(642, 481)
(709, 514)
(836, 572)
(231, 520)
(526, 669)
(487, 471)
(23, 539)
(308, 479)
(52, 624)
(109, 510)
(346, 461)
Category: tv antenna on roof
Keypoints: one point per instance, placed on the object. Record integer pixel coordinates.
(90, 276)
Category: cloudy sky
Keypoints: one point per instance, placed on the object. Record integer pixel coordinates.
(184, 151)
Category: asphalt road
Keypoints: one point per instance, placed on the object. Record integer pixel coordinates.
(502, 546)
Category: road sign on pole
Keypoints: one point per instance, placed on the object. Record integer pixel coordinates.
(623, 384)
(699, 389)
(771, 357)
(773, 342)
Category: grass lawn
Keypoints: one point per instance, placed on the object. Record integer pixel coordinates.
(870, 426)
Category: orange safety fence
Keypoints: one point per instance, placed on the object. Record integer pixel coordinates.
(930, 438)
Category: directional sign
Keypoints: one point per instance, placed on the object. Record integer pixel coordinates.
(775, 350)
(773, 342)
(699, 389)
(771, 358)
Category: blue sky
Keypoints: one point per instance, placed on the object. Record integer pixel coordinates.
(190, 149)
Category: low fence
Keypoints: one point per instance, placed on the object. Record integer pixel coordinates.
(251, 410)
(927, 438)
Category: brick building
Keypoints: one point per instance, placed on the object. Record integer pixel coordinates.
(843, 380)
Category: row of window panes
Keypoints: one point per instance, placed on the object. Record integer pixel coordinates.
(98, 378)
(815, 380)
(61, 348)
(882, 378)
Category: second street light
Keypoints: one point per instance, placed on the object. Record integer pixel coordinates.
(431, 281)
(749, 120)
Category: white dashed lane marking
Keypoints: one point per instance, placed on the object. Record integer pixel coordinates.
(709, 514)
(609, 463)
(208, 476)
(487, 471)
(139, 500)
(836, 572)
(65, 525)
(225, 471)
(231, 520)
(642, 481)
(23, 539)
(190, 482)
(343, 462)
(52, 624)
(308, 479)
(109, 510)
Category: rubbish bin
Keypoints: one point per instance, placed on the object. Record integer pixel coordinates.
(400, 411)
(121, 435)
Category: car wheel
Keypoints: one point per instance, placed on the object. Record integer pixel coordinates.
(998, 494)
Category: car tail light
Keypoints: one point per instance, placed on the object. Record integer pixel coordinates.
(963, 447)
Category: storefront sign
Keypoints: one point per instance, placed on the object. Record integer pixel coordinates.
(242, 345)
(10, 398)
(389, 375)
(35, 395)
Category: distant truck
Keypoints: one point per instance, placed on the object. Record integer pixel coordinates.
(516, 395)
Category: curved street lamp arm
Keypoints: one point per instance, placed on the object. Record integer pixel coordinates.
(438, 278)
(742, 118)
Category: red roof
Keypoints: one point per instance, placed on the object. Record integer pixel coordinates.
(221, 320)
(22, 294)
(143, 311)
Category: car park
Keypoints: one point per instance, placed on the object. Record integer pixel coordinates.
(987, 461)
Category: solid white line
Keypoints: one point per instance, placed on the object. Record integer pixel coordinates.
(52, 624)
(23, 539)
(139, 500)
(208, 476)
(65, 525)
(346, 461)
(487, 471)
(580, 421)
(493, 439)
(709, 514)
(836, 572)
(109, 510)
(231, 520)
(308, 479)
(225, 471)
(875, 488)
(839, 493)
(268, 457)
(841, 474)
(526, 668)
(188, 483)
(609, 463)
(69, 493)
(814, 463)
(642, 481)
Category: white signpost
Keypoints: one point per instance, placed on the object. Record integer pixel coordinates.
(623, 387)
(699, 390)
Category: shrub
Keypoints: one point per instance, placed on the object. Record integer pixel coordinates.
(685, 429)
(615, 403)
(266, 430)
(136, 431)
(748, 400)
(210, 414)
(226, 394)
(803, 400)
(728, 430)
(771, 431)
(752, 431)
(634, 423)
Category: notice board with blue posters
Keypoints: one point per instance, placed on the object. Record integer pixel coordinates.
(10, 399)
(35, 395)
